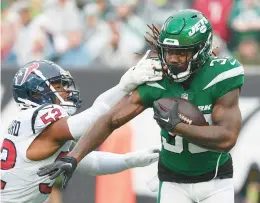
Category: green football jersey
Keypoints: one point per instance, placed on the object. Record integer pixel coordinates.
(217, 77)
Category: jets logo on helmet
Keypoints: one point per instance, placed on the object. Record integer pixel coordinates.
(199, 26)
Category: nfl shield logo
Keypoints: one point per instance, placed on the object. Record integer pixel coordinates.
(184, 96)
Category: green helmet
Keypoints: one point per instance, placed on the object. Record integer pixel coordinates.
(186, 31)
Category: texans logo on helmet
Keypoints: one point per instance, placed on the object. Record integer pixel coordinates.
(25, 73)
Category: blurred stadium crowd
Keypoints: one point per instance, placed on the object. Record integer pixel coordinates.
(91, 34)
(88, 33)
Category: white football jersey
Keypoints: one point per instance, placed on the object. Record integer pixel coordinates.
(19, 179)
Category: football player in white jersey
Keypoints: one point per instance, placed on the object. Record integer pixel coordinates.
(46, 125)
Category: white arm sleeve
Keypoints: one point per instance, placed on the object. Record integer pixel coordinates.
(80, 123)
(101, 163)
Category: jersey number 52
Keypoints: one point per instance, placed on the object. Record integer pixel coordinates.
(51, 116)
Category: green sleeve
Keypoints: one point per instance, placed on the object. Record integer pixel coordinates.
(149, 94)
(228, 85)
(231, 77)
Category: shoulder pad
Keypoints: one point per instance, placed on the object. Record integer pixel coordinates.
(224, 62)
(220, 69)
(45, 115)
(225, 73)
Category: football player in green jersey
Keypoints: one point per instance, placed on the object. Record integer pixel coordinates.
(195, 164)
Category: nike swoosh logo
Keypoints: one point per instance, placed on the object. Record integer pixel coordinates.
(233, 62)
(166, 120)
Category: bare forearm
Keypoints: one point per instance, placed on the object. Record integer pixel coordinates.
(92, 139)
(211, 137)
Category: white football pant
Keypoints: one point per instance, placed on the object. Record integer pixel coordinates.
(213, 191)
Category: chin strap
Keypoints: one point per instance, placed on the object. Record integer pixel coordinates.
(181, 76)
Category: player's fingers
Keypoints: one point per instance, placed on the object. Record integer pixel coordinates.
(155, 117)
(147, 54)
(41, 172)
(158, 113)
(149, 74)
(65, 181)
(156, 149)
(154, 159)
(52, 172)
(149, 71)
(56, 174)
(156, 106)
(158, 73)
(153, 149)
(41, 168)
(157, 68)
(144, 57)
(64, 184)
(156, 65)
(151, 65)
(154, 156)
(44, 170)
(155, 78)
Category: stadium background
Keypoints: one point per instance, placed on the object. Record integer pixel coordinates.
(97, 41)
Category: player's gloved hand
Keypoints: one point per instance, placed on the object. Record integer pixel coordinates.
(167, 119)
(65, 166)
(143, 157)
(145, 70)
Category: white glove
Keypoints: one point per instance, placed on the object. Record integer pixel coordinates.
(146, 70)
(143, 157)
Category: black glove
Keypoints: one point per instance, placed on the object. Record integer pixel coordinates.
(65, 165)
(167, 119)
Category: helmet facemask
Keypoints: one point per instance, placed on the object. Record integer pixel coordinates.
(179, 72)
(63, 92)
(58, 90)
(44, 82)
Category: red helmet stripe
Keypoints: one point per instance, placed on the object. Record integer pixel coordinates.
(29, 70)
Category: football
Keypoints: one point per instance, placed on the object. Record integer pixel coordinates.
(188, 112)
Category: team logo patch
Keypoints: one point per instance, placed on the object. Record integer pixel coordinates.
(185, 96)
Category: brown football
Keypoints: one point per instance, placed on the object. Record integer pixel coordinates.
(188, 112)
